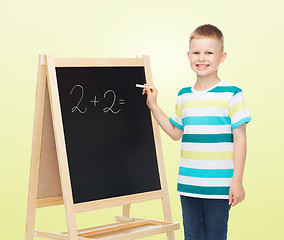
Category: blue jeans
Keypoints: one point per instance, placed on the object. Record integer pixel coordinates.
(205, 219)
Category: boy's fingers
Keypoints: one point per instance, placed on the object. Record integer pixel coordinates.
(231, 200)
(154, 89)
(236, 201)
(147, 88)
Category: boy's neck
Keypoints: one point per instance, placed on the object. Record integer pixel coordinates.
(203, 83)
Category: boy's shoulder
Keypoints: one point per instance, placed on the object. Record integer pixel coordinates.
(228, 84)
(186, 89)
(228, 87)
(223, 86)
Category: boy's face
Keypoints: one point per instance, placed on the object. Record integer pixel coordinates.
(205, 55)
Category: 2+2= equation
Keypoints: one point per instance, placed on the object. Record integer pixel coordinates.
(110, 94)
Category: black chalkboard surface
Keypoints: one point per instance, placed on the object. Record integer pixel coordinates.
(108, 132)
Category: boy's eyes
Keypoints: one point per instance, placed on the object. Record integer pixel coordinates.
(206, 53)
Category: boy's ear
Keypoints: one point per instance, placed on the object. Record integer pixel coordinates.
(187, 54)
(223, 57)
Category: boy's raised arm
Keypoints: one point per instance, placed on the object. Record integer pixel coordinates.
(159, 115)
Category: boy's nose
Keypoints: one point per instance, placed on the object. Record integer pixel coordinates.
(201, 57)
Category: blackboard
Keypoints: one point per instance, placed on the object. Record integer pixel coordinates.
(108, 132)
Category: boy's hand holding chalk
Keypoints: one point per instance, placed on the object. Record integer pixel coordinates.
(151, 92)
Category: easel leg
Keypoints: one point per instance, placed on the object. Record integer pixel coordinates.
(167, 215)
(71, 225)
(32, 199)
(60, 149)
(35, 155)
(31, 215)
(171, 235)
(126, 210)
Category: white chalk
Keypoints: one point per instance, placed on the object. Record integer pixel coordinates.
(142, 86)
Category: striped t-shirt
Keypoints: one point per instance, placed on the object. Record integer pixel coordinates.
(208, 119)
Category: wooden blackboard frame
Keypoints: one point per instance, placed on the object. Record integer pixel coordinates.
(49, 174)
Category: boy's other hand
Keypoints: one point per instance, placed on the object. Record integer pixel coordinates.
(151, 95)
(236, 193)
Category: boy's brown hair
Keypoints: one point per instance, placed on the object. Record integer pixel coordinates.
(208, 31)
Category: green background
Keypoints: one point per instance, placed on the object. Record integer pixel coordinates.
(254, 39)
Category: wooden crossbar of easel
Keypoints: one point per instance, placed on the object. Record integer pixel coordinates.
(49, 174)
(130, 229)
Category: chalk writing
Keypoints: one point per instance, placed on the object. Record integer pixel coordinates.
(77, 106)
(109, 94)
(95, 101)
(106, 109)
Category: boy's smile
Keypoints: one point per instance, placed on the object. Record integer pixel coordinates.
(205, 56)
(202, 66)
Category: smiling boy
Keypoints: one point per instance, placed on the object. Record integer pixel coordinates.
(211, 118)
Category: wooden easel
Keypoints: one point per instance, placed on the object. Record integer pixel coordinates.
(49, 174)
